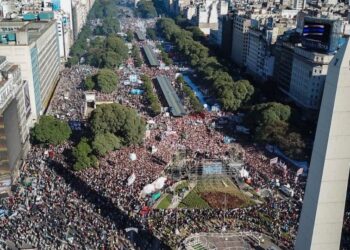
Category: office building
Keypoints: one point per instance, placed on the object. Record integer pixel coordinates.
(309, 73)
(284, 54)
(80, 11)
(34, 47)
(322, 214)
(226, 35)
(14, 111)
(240, 35)
(260, 61)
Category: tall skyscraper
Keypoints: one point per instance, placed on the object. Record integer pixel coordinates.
(323, 209)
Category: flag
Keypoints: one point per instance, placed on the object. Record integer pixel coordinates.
(300, 171)
(131, 179)
(273, 160)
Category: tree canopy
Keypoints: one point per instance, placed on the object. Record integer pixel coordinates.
(106, 81)
(119, 120)
(84, 158)
(270, 123)
(152, 99)
(50, 130)
(89, 83)
(105, 143)
(146, 9)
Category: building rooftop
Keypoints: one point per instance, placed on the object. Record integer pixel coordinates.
(140, 36)
(24, 32)
(176, 107)
(151, 57)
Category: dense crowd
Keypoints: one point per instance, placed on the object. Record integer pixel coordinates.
(55, 207)
(48, 213)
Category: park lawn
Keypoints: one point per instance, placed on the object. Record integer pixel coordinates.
(193, 200)
(165, 202)
(222, 185)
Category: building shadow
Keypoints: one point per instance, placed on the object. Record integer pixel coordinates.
(144, 239)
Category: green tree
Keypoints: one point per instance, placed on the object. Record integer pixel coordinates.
(110, 26)
(197, 34)
(89, 83)
(110, 59)
(151, 34)
(117, 45)
(136, 55)
(106, 81)
(73, 60)
(83, 156)
(146, 9)
(50, 130)
(129, 36)
(121, 121)
(105, 143)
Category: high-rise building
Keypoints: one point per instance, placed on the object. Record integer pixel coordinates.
(226, 35)
(240, 35)
(322, 215)
(284, 53)
(34, 47)
(309, 73)
(80, 11)
(14, 110)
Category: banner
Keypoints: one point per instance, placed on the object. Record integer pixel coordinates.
(131, 179)
(300, 171)
(273, 161)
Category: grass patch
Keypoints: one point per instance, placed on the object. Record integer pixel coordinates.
(222, 185)
(193, 200)
(165, 202)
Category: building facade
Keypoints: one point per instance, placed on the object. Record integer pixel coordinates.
(240, 37)
(14, 109)
(34, 47)
(309, 73)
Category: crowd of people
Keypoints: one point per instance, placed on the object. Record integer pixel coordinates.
(98, 208)
(47, 212)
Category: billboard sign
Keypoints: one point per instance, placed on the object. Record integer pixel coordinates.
(321, 34)
(316, 35)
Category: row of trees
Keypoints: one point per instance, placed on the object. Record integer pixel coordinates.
(194, 102)
(230, 94)
(105, 81)
(151, 97)
(136, 54)
(105, 11)
(151, 33)
(145, 9)
(164, 55)
(270, 124)
(113, 126)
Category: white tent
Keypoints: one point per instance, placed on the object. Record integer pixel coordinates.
(244, 173)
(148, 189)
(159, 183)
